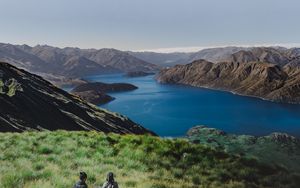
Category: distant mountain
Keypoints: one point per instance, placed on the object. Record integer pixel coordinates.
(214, 54)
(28, 102)
(275, 55)
(20, 58)
(171, 59)
(163, 59)
(72, 62)
(264, 80)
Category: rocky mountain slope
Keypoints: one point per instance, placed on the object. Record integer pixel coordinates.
(264, 80)
(28, 102)
(71, 62)
(276, 148)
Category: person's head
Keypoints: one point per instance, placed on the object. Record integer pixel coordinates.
(82, 176)
(110, 177)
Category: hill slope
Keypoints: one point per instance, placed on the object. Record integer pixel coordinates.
(53, 159)
(276, 148)
(264, 80)
(30, 103)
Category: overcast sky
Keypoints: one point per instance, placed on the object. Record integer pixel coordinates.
(150, 24)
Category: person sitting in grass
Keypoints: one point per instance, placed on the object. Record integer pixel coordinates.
(110, 181)
(81, 183)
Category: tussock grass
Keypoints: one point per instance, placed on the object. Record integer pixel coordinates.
(53, 159)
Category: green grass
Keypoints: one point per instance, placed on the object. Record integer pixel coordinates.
(1, 86)
(10, 88)
(53, 159)
(265, 148)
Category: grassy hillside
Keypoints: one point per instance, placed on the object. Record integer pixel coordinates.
(276, 148)
(53, 159)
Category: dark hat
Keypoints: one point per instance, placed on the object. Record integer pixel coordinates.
(110, 177)
(82, 175)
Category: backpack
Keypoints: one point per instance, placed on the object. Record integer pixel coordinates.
(110, 185)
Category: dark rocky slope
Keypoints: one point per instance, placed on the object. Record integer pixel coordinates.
(28, 102)
(276, 148)
(264, 80)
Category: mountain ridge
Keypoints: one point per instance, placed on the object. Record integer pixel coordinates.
(72, 62)
(28, 102)
(258, 79)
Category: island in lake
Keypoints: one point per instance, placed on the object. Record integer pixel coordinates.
(95, 92)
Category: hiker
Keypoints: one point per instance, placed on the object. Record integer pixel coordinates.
(110, 181)
(81, 183)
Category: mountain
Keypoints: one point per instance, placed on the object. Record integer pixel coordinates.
(171, 59)
(28, 102)
(76, 66)
(214, 54)
(163, 59)
(276, 55)
(264, 80)
(270, 149)
(20, 58)
(72, 62)
(119, 60)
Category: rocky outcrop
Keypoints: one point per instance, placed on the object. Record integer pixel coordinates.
(276, 148)
(28, 102)
(263, 80)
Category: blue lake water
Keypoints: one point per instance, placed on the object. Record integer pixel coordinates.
(170, 110)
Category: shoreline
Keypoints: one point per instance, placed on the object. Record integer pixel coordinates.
(232, 92)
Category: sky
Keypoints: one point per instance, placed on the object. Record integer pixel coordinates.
(157, 25)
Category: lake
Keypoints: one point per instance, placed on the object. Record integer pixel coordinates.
(170, 110)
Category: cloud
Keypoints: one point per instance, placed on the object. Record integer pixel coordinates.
(198, 48)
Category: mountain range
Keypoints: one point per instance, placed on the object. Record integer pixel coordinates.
(275, 55)
(259, 79)
(72, 63)
(28, 102)
(269, 73)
